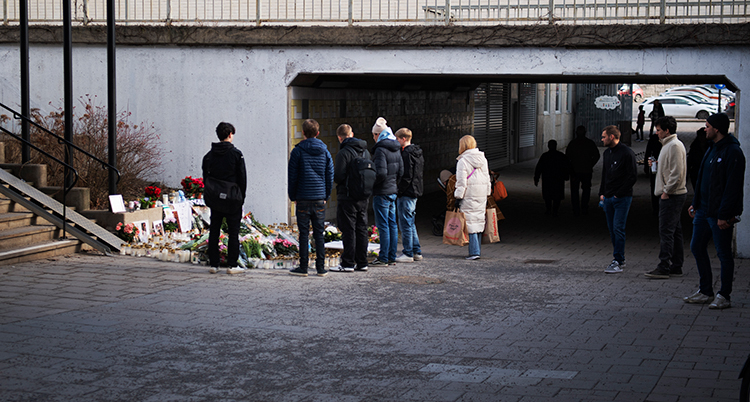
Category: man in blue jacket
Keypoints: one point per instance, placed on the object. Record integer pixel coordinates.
(310, 180)
(716, 207)
(386, 155)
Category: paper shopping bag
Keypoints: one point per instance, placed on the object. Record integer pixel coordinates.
(455, 231)
(491, 234)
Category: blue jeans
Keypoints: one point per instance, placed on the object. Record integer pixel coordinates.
(406, 207)
(311, 212)
(705, 228)
(617, 210)
(475, 241)
(384, 207)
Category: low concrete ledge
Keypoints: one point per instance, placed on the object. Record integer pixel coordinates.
(402, 36)
(29, 172)
(78, 197)
(109, 220)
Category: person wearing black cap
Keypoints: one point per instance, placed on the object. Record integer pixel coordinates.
(716, 206)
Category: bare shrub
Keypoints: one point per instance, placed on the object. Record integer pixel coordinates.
(138, 150)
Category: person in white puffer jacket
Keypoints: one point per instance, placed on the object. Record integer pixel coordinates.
(472, 188)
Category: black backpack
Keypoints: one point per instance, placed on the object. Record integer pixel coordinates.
(360, 177)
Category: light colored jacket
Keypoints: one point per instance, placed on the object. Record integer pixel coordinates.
(671, 170)
(473, 187)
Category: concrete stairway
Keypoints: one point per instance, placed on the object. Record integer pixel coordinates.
(24, 236)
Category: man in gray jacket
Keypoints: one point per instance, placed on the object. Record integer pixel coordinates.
(671, 179)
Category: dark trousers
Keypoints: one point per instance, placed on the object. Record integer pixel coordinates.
(552, 206)
(582, 180)
(311, 212)
(233, 246)
(672, 252)
(654, 198)
(351, 216)
(639, 132)
(706, 228)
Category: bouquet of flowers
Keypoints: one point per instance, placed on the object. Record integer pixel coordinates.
(374, 235)
(152, 192)
(331, 233)
(284, 247)
(126, 232)
(192, 186)
(170, 224)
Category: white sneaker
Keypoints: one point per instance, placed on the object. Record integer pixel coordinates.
(418, 257)
(613, 268)
(235, 270)
(720, 302)
(404, 258)
(213, 270)
(472, 257)
(340, 268)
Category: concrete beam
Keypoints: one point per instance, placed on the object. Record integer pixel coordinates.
(554, 36)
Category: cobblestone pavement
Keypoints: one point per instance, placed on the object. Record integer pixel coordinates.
(535, 319)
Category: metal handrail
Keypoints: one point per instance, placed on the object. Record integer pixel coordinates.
(61, 140)
(66, 190)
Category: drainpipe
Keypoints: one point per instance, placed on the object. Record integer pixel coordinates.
(25, 102)
(111, 97)
(68, 86)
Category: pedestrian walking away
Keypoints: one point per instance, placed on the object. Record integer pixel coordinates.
(554, 168)
(671, 188)
(353, 171)
(716, 207)
(310, 181)
(386, 154)
(583, 155)
(639, 124)
(225, 180)
(472, 189)
(619, 175)
(410, 188)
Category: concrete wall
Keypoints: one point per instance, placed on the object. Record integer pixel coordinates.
(185, 90)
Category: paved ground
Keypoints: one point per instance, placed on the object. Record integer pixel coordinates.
(535, 319)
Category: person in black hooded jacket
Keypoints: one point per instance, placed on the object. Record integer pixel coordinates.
(225, 162)
(389, 167)
(351, 214)
(410, 187)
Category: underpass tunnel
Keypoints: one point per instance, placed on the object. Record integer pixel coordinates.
(511, 120)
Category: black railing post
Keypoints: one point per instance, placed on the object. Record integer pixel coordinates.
(111, 96)
(25, 102)
(68, 84)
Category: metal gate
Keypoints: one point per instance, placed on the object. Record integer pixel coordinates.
(492, 123)
(595, 118)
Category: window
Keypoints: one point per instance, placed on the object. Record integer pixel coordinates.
(558, 98)
(546, 98)
(569, 104)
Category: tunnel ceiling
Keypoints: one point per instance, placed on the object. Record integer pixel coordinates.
(458, 82)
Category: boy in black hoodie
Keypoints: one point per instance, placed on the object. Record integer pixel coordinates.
(351, 214)
(410, 187)
(224, 162)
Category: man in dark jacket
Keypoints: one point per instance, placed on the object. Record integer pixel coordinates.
(716, 207)
(389, 167)
(351, 214)
(553, 168)
(310, 181)
(583, 155)
(410, 187)
(619, 175)
(224, 162)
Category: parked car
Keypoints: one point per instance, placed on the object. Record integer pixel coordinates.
(697, 98)
(678, 106)
(698, 89)
(637, 91)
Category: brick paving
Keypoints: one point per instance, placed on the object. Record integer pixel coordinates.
(503, 328)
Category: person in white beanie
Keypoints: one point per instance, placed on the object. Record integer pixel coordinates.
(386, 155)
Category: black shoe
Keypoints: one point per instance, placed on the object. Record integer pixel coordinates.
(363, 269)
(392, 262)
(298, 272)
(658, 273)
(379, 263)
(322, 272)
(675, 271)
